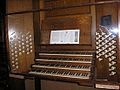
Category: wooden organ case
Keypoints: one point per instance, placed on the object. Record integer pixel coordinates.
(93, 61)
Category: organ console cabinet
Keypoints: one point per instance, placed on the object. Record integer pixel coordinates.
(40, 40)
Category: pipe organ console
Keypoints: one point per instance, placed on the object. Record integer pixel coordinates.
(89, 58)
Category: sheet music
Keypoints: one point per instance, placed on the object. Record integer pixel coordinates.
(65, 36)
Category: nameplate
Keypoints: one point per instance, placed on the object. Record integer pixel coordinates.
(115, 87)
(16, 76)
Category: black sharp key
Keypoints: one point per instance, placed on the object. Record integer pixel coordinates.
(54, 72)
(62, 65)
(52, 64)
(56, 65)
(49, 72)
(73, 66)
(70, 59)
(61, 72)
(65, 73)
(79, 74)
(83, 74)
(79, 67)
(72, 74)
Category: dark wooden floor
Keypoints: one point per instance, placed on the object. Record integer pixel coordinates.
(18, 84)
(56, 85)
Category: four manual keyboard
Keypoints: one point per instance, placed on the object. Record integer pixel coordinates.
(63, 65)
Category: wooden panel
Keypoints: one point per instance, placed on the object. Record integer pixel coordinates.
(103, 66)
(29, 84)
(107, 9)
(61, 3)
(19, 84)
(52, 85)
(37, 19)
(71, 47)
(67, 11)
(18, 5)
(21, 42)
(103, 0)
(119, 38)
(42, 12)
(75, 22)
